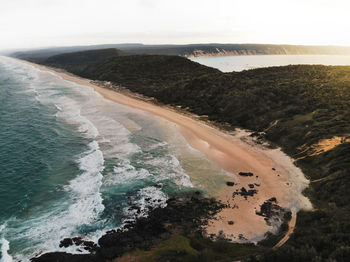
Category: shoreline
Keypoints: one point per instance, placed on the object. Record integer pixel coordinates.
(272, 172)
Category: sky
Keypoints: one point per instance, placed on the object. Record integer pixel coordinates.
(41, 23)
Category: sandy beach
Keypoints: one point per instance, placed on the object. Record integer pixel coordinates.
(274, 174)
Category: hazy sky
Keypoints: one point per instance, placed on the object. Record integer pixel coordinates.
(35, 23)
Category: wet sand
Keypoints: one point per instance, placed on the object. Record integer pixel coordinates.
(234, 154)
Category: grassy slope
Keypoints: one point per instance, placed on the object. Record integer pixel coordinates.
(182, 249)
(306, 103)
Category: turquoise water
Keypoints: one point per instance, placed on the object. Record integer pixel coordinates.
(72, 163)
(239, 63)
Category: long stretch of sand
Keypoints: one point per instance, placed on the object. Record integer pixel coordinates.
(285, 182)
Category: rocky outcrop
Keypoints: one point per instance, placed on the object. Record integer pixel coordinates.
(271, 212)
(245, 193)
(184, 212)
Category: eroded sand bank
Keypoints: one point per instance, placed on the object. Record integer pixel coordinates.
(274, 175)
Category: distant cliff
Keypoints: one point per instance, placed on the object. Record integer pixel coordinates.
(197, 50)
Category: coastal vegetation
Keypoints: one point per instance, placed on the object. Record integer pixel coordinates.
(293, 107)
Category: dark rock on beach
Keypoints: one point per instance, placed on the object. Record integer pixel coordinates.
(241, 237)
(270, 211)
(272, 199)
(245, 193)
(230, 183)
(66, 242)
(78, 241)
(245, 173)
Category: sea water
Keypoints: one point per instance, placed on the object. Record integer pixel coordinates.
(240, 63)
(72, 162)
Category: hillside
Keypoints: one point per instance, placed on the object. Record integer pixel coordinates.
(79, 60)
(43, 53)
(146, 74)
(84, 57)
(303, 109)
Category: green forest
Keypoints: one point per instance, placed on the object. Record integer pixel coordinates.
(293, 107)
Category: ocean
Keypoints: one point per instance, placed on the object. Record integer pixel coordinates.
(72, 162)
(240, 63)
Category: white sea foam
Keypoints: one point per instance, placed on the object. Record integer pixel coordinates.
(58, 108)
(114, 137)
(84, 192)
(70, 111)
(171, 169)
(166, 167)
(86, 187)
(146, 199)
(125, 173)
(5, 246)
(158, 145)
(84, 109)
